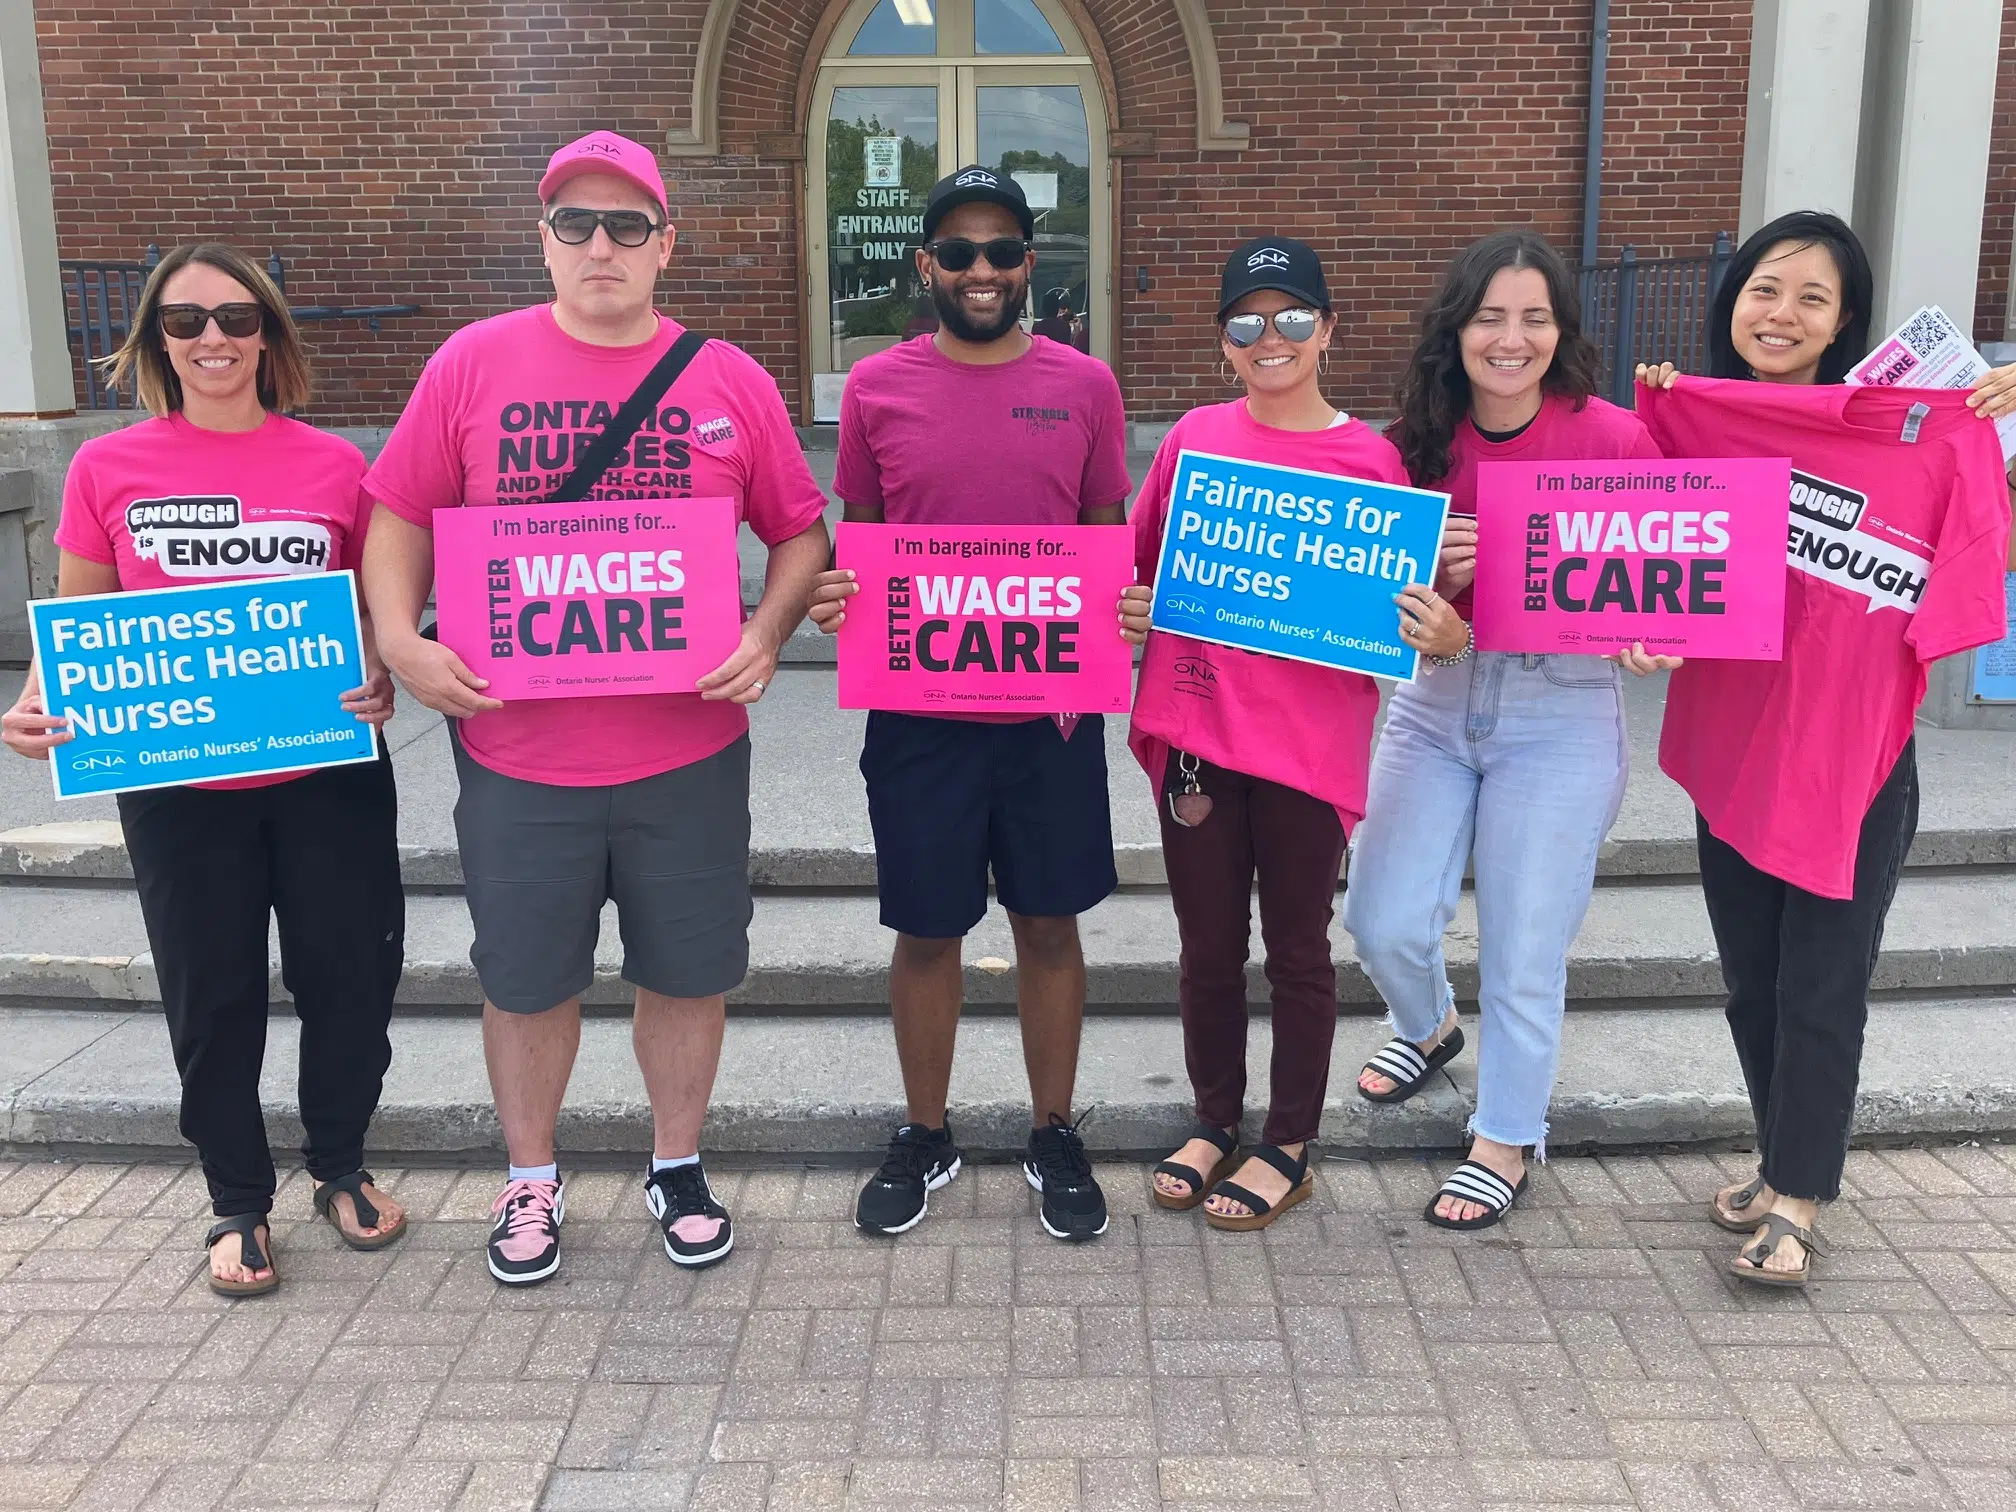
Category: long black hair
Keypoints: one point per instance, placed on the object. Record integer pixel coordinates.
(1433, 394)
(1803, 228)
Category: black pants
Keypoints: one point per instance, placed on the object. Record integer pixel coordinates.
(1798, 967)
(322, 853)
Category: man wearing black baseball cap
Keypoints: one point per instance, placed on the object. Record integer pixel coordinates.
(982, 423)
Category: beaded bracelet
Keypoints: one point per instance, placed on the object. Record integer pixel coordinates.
(1469, 645)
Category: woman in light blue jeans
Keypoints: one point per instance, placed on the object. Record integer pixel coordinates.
(1517, 762)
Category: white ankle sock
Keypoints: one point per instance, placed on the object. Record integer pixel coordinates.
(658, 1165)
(535, 1173)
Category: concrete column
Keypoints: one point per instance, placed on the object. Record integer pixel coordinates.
(1801, 139)
(1927, 114)
(34, 353)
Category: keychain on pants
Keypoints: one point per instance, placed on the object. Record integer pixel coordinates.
(1192, 806)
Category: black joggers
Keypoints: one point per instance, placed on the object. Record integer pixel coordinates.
(321, 852)
(1798, 967)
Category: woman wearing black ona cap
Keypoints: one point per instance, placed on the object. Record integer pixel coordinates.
(1259, 763)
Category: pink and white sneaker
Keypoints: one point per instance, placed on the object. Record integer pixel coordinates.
(696, 1226)
(525, 1244)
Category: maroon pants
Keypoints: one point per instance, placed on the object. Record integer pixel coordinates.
(1296, 845)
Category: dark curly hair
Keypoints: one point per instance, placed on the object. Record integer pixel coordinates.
(1433, 394)
(1803, 228)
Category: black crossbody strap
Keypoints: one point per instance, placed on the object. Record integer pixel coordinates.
(636, 409)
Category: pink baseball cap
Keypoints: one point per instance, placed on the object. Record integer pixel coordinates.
(605, 152)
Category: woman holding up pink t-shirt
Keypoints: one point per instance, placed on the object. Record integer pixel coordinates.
(1258, 762)
(1514, 763)
(216, 358)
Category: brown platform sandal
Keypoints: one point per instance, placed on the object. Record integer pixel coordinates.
(246, 1226)
(352, 1186)
(1227, 1146)
(1300, 1185)
(1776, 1226)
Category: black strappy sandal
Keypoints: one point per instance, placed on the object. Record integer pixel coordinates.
(1402, 1063)
(1474, 1182)
(246, 1226)
(1300, 1185)
(1739, 1199)
(1227, 1146)
(1776, 1226)
(367, 1211)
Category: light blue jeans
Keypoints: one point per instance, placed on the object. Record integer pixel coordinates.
(1521, 761)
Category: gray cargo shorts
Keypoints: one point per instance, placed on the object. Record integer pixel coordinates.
(539, 861)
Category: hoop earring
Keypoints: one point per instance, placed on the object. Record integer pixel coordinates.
(1231, 378)
(1323, 361)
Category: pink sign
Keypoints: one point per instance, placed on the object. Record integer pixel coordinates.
(589, 600)
(1589, 556)
(1020, 619)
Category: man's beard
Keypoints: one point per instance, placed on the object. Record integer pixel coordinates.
(953, 317)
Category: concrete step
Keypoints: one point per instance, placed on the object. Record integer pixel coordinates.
(825, 1087)
(1646, 944)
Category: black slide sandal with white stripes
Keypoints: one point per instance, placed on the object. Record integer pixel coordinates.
(1407, 1067)
(1476, 1183)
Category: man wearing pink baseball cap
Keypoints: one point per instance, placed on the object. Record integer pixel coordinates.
(567, 803)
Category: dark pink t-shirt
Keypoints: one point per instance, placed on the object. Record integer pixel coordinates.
(1896, 552)
(171, 505)
(1036, 441)
(1560, 432)
(513, 400)
(1292, 722)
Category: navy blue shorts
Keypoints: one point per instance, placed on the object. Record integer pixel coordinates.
(949, 798)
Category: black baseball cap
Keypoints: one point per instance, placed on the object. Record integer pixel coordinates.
(1273, 262)
(977, 185)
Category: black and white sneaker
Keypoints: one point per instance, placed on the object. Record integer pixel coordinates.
(696, 1226)
(897, 1197)
(1055, 1163)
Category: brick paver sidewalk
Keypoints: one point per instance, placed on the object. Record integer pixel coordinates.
(1589, 1352)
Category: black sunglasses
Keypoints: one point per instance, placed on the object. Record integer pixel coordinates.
(1296, 325)
(185, 322)
(626, 228)
(955, 254)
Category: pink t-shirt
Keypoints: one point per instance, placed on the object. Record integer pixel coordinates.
(1295, 723)
(1036, 441)
(171, 505)
(514, 400)
(1896, 551)
(1560, 432)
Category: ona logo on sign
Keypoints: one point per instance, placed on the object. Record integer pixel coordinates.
(974, 176)
(1186, 606)
(1268, 257)
(99, 761)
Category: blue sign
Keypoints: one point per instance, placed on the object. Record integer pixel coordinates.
(1995, 666)
(1294, 563)
(170, 685)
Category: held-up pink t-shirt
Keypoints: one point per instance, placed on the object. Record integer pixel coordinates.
(1560, 432)
(1035, 441)
(172, 505)
(1295, 723)
(514, 400)
(1896, 549)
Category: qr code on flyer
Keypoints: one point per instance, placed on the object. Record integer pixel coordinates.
(1925, 331)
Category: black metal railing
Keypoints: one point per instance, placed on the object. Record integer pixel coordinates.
(1651, 310)
(99, 299)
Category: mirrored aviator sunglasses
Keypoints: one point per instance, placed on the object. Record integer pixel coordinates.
(1294, 325)
(185, 322)
(626, 228)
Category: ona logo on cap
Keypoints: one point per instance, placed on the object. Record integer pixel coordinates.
(1267, 257)
(976, 176)
(609, 147)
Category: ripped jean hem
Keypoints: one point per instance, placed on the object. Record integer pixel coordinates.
(1537, 1141)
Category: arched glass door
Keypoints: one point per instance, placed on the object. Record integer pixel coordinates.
(909, 91)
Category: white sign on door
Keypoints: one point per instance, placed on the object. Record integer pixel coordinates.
(1040, 189)
(883, 160)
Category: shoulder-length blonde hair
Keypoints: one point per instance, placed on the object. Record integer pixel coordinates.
(283, 366)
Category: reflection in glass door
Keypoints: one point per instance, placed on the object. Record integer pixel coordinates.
(1038, 133)
(881, 160)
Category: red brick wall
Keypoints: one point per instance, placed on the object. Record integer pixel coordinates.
(388, 153)
(1991, 293)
